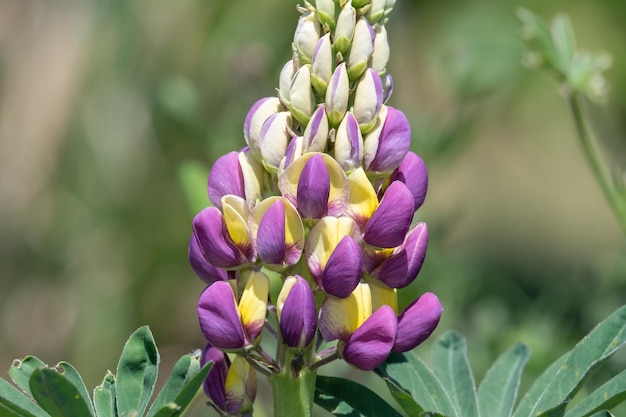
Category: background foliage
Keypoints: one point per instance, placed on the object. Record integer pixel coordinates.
(104, 105)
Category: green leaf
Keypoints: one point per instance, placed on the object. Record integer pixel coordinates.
(72, 375)
(603, 414)
(104, 397)
(182, 385)
(342, 397)
(565, 377)
(498, 390)
(558, 411)
(405, 372)
(451, 366)
(13, 403)
(137, 373)
(57, 395)
(606, 397)
(21, 370)
(429, 414)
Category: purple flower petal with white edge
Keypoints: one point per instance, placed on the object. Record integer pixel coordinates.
(213, 240)
(371, 343)
(413, 173)
(298, 316)
(417, 322)
(271, 234)
(215, 383)
(219, 318)
(226, 178)
(207, 272)
(342, 272)
(313, 189)
(401, 268)
(394, 142)
(391, 220)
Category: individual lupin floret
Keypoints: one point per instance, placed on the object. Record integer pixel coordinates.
(361, 49)
(387, 144)
(260, 111)
(231, 387)
(306, 36)
(349, 143)
(334, 255)
(277, 232)
(368, 100)
(316, 133)
(296, 312)
(301, 101)
(380, 56)
(344, 31)
(417, 322)
(229, 325)
(322, 65)
(221, 239)
(337, 95)
(274, 139)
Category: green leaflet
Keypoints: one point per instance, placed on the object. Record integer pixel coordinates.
(498, 390)
(137, 373)
(57, 395)
(605, 397)
(451, 366)
(72, 375)
(343, 397)
(13, 403)
(21, 371)
(104, 397)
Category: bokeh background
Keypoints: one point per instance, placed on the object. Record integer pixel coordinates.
(112, 112)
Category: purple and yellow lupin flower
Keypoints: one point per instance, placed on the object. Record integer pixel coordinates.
(323, 196)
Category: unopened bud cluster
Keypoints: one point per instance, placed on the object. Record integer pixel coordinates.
(323, 197)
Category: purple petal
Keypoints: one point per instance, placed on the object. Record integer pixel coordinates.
(413, 173)
(371, 343)
(225, 178)
(215, 382)
(214, 241)
(313, 189)
(219, 319)
(388, 225)
(417, 322)
(271, 234)
(343, 269)
(401, 268)
(394, 142)
(207, 272)
(298, 318)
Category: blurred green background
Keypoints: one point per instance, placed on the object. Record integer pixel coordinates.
(105, 105)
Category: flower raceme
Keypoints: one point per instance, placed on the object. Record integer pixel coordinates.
(319, 206)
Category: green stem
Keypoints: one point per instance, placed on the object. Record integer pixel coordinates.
(293, 395)
(612, 191)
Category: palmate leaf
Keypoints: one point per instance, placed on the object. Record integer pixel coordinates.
(342, 397)
(558, 384)
(414, 385)
(136, 373)
(451, 366)
(498, 390)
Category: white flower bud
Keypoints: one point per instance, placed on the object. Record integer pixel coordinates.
(361, 50)
(284, 83)
(389, 6)
(257, 115)
(337, 95)
(380, 56)
(376, 11)
(306, 36)
(359, 3)
(274, 138)
(349, 143)
(322, 65)
(316, 132)
(301, 101)
(371, 140)
(368, 100)
(326, 12)
(344, 31)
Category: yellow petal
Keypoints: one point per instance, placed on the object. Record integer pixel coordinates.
(383, 295)
(253, 303)
(236, 217)
(363, 199)
(240, 385)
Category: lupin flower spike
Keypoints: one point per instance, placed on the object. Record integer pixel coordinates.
(323, 196)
